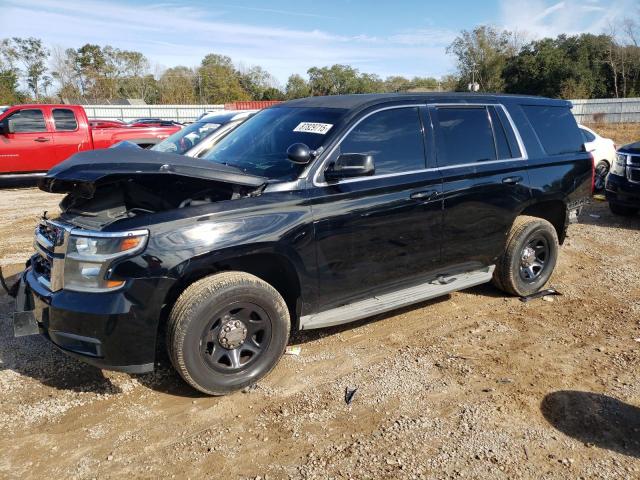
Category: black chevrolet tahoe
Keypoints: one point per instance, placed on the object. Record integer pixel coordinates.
(315, 212)
(622, 187)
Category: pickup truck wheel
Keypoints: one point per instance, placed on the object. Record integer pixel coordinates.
(529, 258)
(617, 209)
(227, 331)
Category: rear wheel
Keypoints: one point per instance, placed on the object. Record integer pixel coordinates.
(601, 172)
(618, 209)
(529, 258)
(227, 331)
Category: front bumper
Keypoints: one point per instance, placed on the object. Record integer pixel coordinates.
(621, 191)
(115, 330)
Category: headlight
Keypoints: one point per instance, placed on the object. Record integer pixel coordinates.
(89, 256)
(618, 167)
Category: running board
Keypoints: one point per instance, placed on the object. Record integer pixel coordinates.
(442, 285)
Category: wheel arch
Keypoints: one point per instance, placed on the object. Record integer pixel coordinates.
(272, 267)
(553, 211)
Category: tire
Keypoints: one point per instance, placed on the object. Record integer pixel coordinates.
(530, 255)
(206, 327)
(601, 172)
(618, 209)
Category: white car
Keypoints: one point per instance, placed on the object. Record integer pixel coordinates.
(604, 154)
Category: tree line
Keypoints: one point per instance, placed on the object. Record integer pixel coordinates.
(580, 66)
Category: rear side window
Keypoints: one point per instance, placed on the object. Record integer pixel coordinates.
(393, 137)
(587, 135)
(27, 121)
(556, 128)
(64, 120)
(464, 135)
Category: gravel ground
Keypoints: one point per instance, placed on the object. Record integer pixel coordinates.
(473, 385)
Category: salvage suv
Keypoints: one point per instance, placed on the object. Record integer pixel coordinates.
(315, 212)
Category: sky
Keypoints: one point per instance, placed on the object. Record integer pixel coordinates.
(391, 37)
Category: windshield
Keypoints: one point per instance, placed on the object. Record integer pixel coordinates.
(188, 137)
(259, 146)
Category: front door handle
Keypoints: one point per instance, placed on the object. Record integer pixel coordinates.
(425, 195)
(512, 180)
(41, 139)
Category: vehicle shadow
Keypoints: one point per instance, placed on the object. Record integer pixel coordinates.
(34, 357)
(599, 215)
(595, 419)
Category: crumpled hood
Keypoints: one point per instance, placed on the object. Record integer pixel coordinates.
(97, 166)
(632, 148)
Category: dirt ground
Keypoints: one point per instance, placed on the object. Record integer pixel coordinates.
(472, 385)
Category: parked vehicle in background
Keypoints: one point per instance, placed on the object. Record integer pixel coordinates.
(623, 182)
(3, 108)
(312, 213)
(34, 138)
(104, 123)
(153, 122)
(184, 140)
(604, 154)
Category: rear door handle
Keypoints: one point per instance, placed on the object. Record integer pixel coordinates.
(41, 139)
(425, 195)
(512, 180)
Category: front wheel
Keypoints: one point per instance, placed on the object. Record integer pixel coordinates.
(227, 331)
(529, 257)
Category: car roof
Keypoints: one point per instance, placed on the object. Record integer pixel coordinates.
(358, 101)
(225, 116)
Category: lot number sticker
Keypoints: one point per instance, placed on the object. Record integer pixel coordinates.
(313, 127)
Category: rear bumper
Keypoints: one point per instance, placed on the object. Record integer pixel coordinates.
(621, 191)
(114, 331)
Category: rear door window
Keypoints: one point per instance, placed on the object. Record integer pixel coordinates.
(394, 138)
(27, 121)
(64, 120)
(464, 135)
(556, 128)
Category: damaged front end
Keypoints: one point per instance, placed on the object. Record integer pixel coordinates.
(105, 186)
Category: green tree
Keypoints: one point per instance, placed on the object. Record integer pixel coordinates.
(178, 86)
(481, 56)
(297, 87)
(256, 81)
(33, 56)
(565, 66)
(342, 79)
(9, 73)
(219, 80)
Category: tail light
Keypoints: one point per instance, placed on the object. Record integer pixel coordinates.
(593, 173)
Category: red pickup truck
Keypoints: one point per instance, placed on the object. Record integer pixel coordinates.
(34, 138)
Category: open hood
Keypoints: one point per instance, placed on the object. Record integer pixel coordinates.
(100, 166)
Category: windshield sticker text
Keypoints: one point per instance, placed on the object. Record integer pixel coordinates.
(313, 127)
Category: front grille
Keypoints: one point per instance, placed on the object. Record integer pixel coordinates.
(50, 245)
(42, 267)
(633, 169)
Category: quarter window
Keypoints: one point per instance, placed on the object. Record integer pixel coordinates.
(64, 120)
(464, 135)
(27, 121)
(556, 128)
(393, 137)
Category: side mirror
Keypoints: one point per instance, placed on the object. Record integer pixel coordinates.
(350, 165)
(4, 128)
(299, 153)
